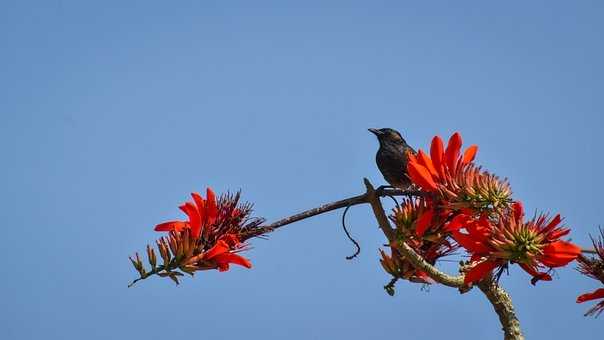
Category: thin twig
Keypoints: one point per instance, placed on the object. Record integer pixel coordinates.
(589, 251)
(154, 271)
(356, 200)
(356, 244)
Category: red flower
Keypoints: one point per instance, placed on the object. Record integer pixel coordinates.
(533, 245)
(221, 255)
(597, 294)
(593, 267)
(414, 220)
(202, 214)
(442, 165)
(454, 180)
(211, 238)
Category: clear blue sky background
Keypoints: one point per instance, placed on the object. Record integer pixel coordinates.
(112, 113)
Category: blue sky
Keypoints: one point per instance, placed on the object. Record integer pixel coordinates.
(112, 113)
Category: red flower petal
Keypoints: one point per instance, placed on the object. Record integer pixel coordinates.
(423, 222)
(518, 210)
(559, 253)
(222, 266)
(223, 261)
(195, 222)
(220, 247)
(555, 221)
(551, 232)
(457, 222)
(211, 209)
(596, 294)
(411, 157)
(540, 277)
(479, 271)
(231, 239)
(235, 213)
(475, 258)
(171, 225)
(452, 151)
(556, 234)
(470, 154)
(421, 176)
(537, 276)
(476, 247)
(424, 160)
(480, 230)
(436, 154)
(201, 209)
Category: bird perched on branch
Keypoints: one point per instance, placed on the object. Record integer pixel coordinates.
(392, 157)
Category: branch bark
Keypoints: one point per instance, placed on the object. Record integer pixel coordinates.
(502, 303)
(351, 201)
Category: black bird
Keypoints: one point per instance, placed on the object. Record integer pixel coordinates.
(392, 157)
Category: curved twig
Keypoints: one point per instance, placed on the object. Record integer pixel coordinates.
(356, 244)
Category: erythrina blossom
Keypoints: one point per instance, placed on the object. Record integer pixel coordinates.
(431, 243)
(593, 267)
(454, 179)
(597, 294)
(201, 212)
(220, 254)
(533, 245)
(442, 164)
(211, 238)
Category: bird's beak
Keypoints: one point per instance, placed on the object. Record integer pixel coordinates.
(375, 131)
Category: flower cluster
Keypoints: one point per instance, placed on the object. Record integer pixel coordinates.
(465, 206)
(455, 180)
(211, 238)
(594, 267)
(494, 243)
(412, 219)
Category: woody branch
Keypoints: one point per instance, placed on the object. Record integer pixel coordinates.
(500, 300)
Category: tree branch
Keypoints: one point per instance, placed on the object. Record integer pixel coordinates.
(356, 200)
(351, 201)
(378, 211)
(497, 296)
(502, 303)
(408, 252)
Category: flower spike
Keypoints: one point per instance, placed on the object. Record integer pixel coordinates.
(532, 244)
(211, 238)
